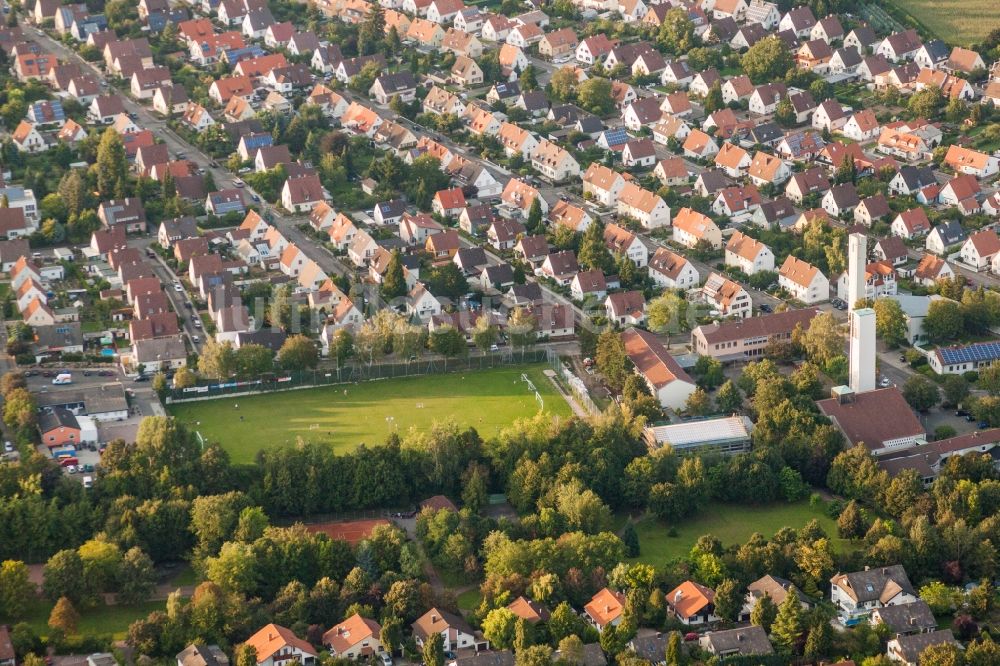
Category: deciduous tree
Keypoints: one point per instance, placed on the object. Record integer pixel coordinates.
(64, 616)
(298, 353)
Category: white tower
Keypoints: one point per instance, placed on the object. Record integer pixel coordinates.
(857, 255)
(862, 360)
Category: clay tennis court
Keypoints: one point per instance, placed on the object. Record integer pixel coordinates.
(351, 531)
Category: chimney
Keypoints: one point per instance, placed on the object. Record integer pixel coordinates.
(434, 618)
(678, 595)
(885, 572)
(739, 637)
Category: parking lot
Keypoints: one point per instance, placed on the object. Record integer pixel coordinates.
(141, 399)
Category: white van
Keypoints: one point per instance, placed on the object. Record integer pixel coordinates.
(64, 378)
(88, 482)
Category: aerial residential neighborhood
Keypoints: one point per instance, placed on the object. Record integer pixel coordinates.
(511, 333)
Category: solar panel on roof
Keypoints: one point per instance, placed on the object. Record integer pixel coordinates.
(977, 353)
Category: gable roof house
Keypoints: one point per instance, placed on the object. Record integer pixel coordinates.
(456, 632)
(911, 223)
(691, 228)
(945, 236)
(646, 207)
(803, 281)
(671, 270)
(961, 192)
(900, 46)
(664, 376)
(974, 162)
(980, 248)
(355, 638)
(692, 603)
(908, 649)
(726, 296)
(274, 644)
(387, 86)
(748, 254)
(300, 194)
(560, 266)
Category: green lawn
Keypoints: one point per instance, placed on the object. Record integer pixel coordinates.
(346, 416)
(731, 524)
(113, 620)
(470, 599)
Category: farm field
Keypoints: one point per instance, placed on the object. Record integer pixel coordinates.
(962, 22)
(345, 416)
(731, 524)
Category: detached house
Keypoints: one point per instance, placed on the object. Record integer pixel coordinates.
(692, 603)
(299, 195)
(274, 644)
(803, 281)
(980, 248)
(666, 379)
(911, 223)
(965, 160)
(602, 184)
(748, 254)
(672, 271)
(643, 206)
(692, 228)
(605, 608)
(860, 592)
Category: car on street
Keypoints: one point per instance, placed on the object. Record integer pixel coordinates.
(884, 383)
(238, 183)
(255, 198)
(106, 373)
(178, 286)
(196, 338)
(197, 323)
(961, 412)
(141, 378)
(983, 425)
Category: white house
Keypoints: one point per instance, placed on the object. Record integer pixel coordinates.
(664, 376)
(748, 254)
(803, 281)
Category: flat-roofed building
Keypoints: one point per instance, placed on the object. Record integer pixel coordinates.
(729, 435)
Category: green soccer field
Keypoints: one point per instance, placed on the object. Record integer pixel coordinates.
(345, 416)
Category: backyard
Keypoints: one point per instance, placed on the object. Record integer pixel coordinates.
(100, 620)
(346, 416)
(731, 524)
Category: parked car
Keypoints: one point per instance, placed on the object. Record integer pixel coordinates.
(764, 307)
